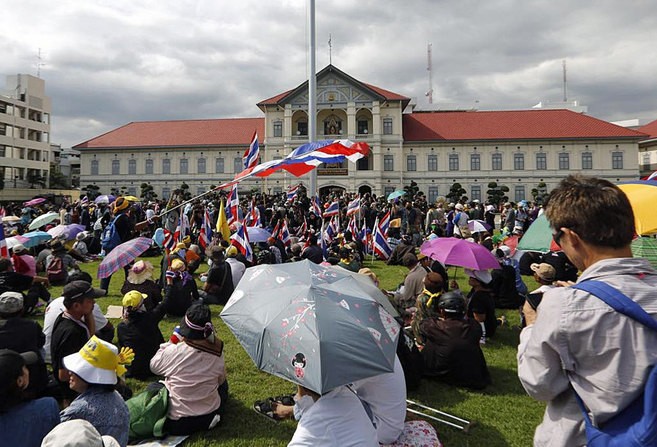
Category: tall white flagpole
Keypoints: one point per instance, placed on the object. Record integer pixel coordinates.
(312, 90)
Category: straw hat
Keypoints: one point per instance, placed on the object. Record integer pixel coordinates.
(140, 272)
(99, 362)
(544, 271)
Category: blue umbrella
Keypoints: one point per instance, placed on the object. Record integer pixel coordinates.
(393, 195)
(35, 238)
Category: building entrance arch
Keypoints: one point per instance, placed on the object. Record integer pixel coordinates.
(364, 189)
(331, 189)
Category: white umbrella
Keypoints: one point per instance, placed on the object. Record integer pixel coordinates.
(43, 219)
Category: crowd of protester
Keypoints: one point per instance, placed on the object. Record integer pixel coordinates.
(71, 364)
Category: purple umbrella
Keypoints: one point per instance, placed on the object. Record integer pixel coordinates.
(37, 201)
(478, 226)
(67, 232)
(122, 255)
(109, 198)
(459, 252)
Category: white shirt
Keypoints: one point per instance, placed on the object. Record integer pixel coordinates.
(337, 419)
(53, 310)
(386, 396)
(237, 270)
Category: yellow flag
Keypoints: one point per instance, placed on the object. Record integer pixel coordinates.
(222, 223)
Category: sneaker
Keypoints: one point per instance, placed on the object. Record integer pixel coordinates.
(482, 341)
(214, 422)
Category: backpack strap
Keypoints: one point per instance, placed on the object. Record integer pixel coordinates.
(618, 301)
(621, 303)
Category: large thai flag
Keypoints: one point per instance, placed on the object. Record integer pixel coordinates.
(233, 203)
(315, 206)
(307, 157)
(292, 192)
(205, 234)
(353, 207)
(276, 230)
(241, 240)
(252, 154)
(385, 224)
(380, 246)
(332, 210)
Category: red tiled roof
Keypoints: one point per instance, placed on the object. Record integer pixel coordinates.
(275, 99)
(390, 96)
(211, 132)
(650, 129)
(509, 125)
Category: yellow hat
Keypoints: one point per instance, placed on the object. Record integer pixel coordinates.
(99, 362)
(120, 204)
(187, 240)
(181, 246)
(231, 252)
(177, 264)
(133, 299)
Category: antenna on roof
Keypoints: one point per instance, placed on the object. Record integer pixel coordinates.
(429, 93)
(565, 82)
(39, 63)
(330, 50)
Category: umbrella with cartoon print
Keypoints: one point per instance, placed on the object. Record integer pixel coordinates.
(312, 325)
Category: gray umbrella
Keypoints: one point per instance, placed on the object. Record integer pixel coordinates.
(312, 325)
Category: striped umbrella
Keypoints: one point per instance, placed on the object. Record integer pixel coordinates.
(478, 226)
(645, 247)
(122, 255)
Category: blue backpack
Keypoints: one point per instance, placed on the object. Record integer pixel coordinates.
(636, 425)
(110, 237)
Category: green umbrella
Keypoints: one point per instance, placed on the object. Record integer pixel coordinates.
(645, 247)
(538, 237)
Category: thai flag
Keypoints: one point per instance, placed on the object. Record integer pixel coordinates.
(353, 207)
(332, 210)
(253, 216)
(352, 228)
(307, 157)
(380, 245)
(315, 206)
(303, 228)
(185, 227)
(652, 176)
(328, 234)
(169, 242)
(233, 203)
(241, 241)
(365, 237)
(252, 154)
(4, 252)
(385, 224)
(293, 192)
(177, 232)
(276, 230)
(205, 234)
(284, 234)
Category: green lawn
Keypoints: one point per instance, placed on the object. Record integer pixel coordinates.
(503, 413)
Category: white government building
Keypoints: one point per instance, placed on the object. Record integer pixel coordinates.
(519, 149)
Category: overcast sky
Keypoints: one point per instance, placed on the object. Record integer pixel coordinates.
(110, 62)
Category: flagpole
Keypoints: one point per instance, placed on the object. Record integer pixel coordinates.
(312, 89)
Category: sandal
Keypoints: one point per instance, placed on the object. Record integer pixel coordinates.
(264, 408)
(287, 400)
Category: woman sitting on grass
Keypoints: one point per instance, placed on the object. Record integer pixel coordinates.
(194, 374)
(93, 373)
(140, 278)
(180, 291)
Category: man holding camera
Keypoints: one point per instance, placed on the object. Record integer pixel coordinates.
(574, 338)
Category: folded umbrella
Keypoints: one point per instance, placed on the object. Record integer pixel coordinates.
(43, 219)
(311, 324)
(459, 252)
(122, 255)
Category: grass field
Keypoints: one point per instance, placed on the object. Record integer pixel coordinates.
(504, 415)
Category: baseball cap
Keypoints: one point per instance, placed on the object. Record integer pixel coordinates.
(80, 290)
(11, 364)
(11, 302)
(133, 299)
(544, 271)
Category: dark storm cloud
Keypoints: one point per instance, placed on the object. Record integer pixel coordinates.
(107, 63)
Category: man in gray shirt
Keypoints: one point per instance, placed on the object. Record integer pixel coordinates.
(574, 337)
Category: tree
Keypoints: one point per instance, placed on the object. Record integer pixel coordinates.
(34, 177)
(411, 190)
(92, 191)
(540, 193)
(57, 179)
(456, 193)
(184, 191)
(497, 193)
(147, 192)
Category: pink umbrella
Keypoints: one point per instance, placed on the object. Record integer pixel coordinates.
(122, 255)
(15, 240)
(37, 201)
(459, 252)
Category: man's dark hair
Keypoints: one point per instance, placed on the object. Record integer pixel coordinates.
(596, 209)
(5, 264)
(80, 276)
